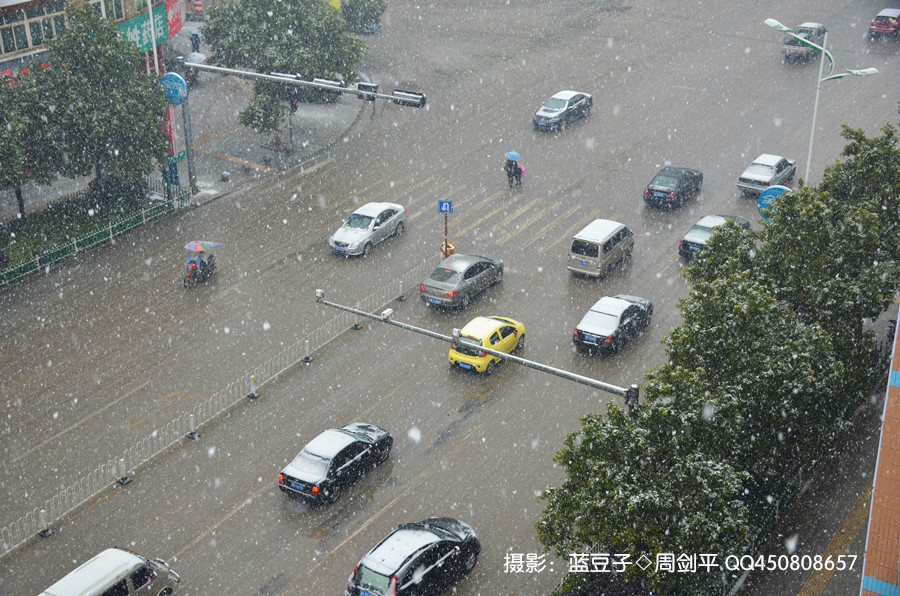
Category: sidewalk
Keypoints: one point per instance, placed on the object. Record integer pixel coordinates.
(227, 156)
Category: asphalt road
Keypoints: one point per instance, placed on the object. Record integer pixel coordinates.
(107, 348)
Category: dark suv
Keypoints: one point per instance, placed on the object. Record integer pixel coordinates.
(423, 558)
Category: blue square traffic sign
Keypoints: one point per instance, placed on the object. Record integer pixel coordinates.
(445, 206)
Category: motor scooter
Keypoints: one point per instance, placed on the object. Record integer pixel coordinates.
(195, 274)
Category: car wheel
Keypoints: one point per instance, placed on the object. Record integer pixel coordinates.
(186, 283)
(468, 563)
(499, 277)
(367, 249)
(336, 491)
(464, 302)
(587, 111)
(166, 592)
(520, 345)
(399, 229)
(384, 454)
(490, 368)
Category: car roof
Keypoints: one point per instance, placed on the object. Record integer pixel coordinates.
(568, 94)
(481, 327)
(329, 443)
(375, 209)
(889, 12)
(598, 230)
(768, 159)
(91, 576)
(397, 547)
(611, 305)
(711, 221)
(460, 262)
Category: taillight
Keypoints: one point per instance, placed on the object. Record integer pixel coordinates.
(450, 294)
(350, 579)
(281, 479)
(646, 192)
(608, 341)
(422, 287)
(315, 491)
(452, 346)
(482, 354)
(575, 334)
(392, 589)
(671, 195)
(681, 242)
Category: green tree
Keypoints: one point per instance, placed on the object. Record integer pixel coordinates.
(103, 116)
(304, 37)
(27, 150)
(630, 490)
(363, 16)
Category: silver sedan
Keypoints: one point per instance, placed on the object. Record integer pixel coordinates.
(459, 278)
(367, 226)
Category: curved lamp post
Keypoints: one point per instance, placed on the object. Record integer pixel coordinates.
(831, 76)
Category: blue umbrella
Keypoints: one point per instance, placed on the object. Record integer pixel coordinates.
(513, 155)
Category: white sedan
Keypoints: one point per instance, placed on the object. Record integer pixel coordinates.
(765, 171)
(367, 226)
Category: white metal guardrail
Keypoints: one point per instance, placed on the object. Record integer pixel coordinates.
(120, 469)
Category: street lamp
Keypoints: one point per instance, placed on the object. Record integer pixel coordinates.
(858, 73)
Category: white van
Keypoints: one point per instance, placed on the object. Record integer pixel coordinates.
(599, 246)
(117, 572)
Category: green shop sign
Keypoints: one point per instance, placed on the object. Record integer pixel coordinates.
(139, 32)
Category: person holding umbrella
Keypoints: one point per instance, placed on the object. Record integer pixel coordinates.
(513, 169)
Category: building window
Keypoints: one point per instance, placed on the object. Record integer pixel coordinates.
(33, 27)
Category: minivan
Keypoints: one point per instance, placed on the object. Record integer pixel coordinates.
(599, 246)
(117, 572)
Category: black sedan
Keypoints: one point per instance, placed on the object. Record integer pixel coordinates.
(698, 236)
(612, 321)
(421, 558)
(334, 460)
(671, 187)
(459, 278)
(562, 108)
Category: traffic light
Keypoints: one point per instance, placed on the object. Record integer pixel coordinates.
(366, 91)
(293, 104)
(408, 98)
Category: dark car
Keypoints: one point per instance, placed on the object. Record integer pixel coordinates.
(459, 278)
(671, 187)
(611, 322)
(697, 237)
(422, 558)
(562, 108)
(334, 460)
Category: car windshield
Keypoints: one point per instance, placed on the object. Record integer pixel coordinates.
(366, 578)
(470, 346)
(314, 464)
(604, 320)
(447, 276)
(357, 221)
(699, 234)
(760, 169)
(555, 103)
(664, 181)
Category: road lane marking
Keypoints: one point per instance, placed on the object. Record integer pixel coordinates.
(528, 223)
(492, 213)
(556, 221)
(55, 436)
(840, 543)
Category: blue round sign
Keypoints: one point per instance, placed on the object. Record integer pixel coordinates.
(175, 87)
(768, 198)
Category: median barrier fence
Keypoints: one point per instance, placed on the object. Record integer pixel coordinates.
(170, 435)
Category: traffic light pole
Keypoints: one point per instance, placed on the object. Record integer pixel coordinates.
(631, 394)
(364, 91)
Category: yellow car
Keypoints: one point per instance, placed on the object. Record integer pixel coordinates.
(498, 333)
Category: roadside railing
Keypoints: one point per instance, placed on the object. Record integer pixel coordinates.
(39, 520)
(171, 198)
